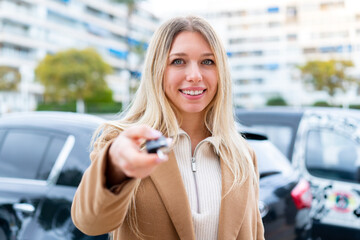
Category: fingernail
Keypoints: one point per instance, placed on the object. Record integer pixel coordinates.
(155, 133)
(161, 155)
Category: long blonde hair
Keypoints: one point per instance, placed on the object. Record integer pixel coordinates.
(151, 107)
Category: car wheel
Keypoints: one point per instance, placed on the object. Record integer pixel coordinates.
(3, 234)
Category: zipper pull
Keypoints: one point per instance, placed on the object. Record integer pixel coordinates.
(193, 164)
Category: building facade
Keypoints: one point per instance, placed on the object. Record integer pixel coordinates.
(30, 29)
(267, 40)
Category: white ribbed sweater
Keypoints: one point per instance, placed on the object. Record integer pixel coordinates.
(203, 186)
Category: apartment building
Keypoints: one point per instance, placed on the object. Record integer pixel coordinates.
(30, 29)
(267, 40)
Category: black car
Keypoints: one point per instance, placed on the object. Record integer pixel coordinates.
(42, 159)
(324, 147)
(44, 154)
(285, 198)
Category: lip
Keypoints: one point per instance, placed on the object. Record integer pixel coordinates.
(192, 89)
(190, 97)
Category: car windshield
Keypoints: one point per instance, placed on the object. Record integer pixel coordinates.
(332, 155)
(279, 135)
(270, 159)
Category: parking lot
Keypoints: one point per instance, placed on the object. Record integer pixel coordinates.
(309, 172)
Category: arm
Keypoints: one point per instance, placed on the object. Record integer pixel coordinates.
(97, 210)
(103, 197)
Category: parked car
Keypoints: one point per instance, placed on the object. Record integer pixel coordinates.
(323, 145)
(42, 158)
(284, 197)
(44, 154)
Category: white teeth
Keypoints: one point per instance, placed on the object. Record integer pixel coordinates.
(193, 93)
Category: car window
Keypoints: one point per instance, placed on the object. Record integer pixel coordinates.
(332, 155)
(269, 158)
(2, 135)
(279, 135)
(28, 154)
(77, 161)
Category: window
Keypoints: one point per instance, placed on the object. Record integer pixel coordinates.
(274, 24)
(309, 50)
(270, 159)
(280, 136)
(291, 11)
(99, 14)
(77, 161)
(29, 154)
(273, 10)
(291, 37)
(331, 155)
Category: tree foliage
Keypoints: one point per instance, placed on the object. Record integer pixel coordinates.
(9, 78)
(131, 5)
(72, 75)
(327, 75)
(276, 101)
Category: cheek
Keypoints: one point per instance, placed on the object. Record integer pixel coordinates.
(167, 86)
(171, 81)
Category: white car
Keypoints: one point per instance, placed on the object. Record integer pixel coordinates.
(323, 145)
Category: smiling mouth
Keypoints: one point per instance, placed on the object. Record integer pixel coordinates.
(193, 93)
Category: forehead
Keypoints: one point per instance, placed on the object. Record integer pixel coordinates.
(190, 40)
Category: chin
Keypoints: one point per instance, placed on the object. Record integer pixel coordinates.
(193, 110)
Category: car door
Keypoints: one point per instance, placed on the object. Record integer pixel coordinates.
(327, 153)
(28, 159)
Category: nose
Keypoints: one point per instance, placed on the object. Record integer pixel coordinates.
(193, 73)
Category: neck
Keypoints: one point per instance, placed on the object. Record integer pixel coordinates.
(195, 127)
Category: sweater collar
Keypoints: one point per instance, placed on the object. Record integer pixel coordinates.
(210, 139)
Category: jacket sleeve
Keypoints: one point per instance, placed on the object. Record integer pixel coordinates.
(260, 226)
(95, 209)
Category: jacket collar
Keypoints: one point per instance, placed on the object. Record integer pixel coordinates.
(169, 184)
(233, 205)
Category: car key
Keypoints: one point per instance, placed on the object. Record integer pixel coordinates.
(158, 146)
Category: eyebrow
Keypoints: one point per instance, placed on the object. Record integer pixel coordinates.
(184, 54)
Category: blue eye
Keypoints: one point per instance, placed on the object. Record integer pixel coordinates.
(177, 61)
(208, 62)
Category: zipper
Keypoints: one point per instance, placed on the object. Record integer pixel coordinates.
(193, 164)
(194, 169)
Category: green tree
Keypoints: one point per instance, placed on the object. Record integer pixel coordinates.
(9, 78)
(73, 75)
(276, 101)
(328, 75)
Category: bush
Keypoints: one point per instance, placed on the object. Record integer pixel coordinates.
(90, 107)
(276, 101)
(66, 107)
(354, 106)
(321, 104)
(103, 107)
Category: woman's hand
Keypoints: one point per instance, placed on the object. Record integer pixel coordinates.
(127, 160)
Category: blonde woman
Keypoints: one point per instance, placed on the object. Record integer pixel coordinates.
(207, 186)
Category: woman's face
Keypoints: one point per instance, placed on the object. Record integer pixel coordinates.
(191, 77)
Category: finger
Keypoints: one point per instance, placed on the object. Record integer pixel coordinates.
(144, 160)
(141, 132)
(140, 173)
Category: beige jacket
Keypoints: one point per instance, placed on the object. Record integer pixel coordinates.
(162, 205)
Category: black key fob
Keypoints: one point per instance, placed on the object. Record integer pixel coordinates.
(152, 146)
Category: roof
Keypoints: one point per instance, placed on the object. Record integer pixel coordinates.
(51, 119)
(299, 111)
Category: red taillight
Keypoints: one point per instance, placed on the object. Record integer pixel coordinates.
(301, 194)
